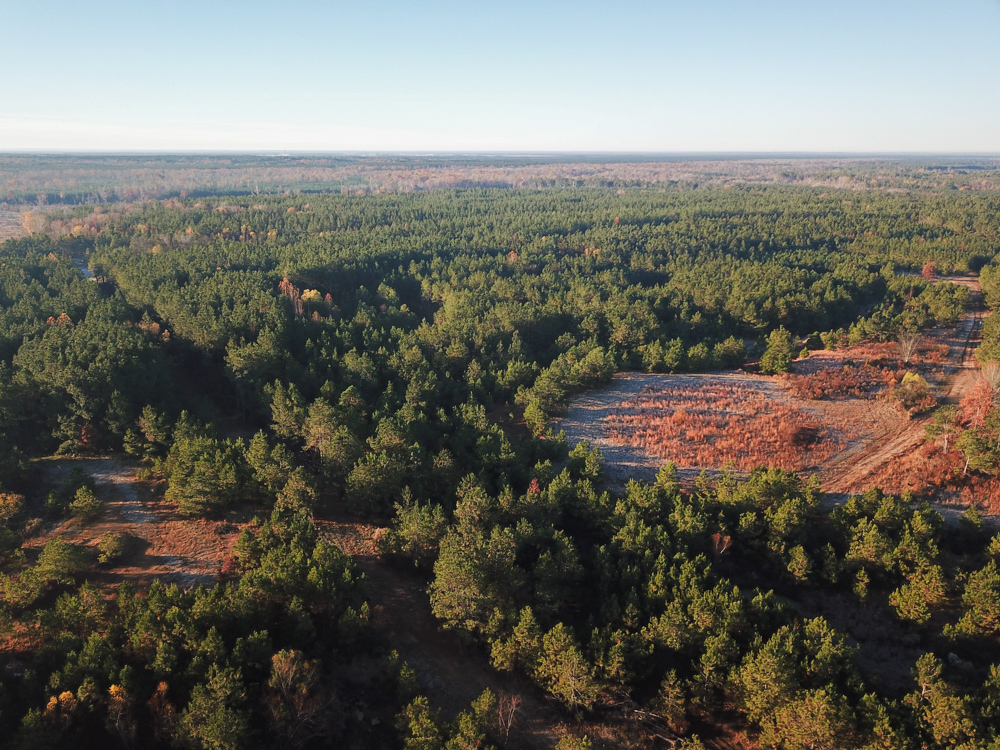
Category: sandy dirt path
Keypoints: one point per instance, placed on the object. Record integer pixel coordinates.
(901, 438)
(159, 543)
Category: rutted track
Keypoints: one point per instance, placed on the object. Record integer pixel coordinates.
(848, 474)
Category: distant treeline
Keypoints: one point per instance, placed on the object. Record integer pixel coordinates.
(74, 179)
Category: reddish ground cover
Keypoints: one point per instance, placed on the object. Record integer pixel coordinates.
(723, 423)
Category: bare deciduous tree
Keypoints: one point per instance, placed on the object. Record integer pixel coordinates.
(721, 543)
(908, 343)
(507, 709)
(991, 374)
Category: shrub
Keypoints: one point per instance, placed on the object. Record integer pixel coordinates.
(10, 506)
(779, 353)
(914, 394)
(85, 505)
(9, 541)
(109, 547)
(55, 503)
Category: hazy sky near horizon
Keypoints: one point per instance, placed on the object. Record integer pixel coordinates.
(714, 75)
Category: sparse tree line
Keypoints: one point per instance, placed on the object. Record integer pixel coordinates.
(39, 180)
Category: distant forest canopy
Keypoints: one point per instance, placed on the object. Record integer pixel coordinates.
(40, 180)
(397, 357)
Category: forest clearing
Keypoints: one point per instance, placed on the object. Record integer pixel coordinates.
(157, 541)
(831, 418)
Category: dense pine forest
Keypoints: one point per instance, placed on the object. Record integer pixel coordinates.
(400, 359)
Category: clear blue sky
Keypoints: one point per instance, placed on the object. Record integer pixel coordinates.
(702, 75)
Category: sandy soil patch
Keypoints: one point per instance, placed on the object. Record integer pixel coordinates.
(856, 439)
(159, 542)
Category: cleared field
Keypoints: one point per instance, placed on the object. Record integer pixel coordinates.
(159, 542)
(830, 418)
(10, 225)
(712, 422)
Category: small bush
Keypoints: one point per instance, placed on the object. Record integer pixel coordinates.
(85, 505)
(10, 506)
(9, 541)
(109, 547)
(22, 589)
(55, 504)
(914, 395)
(569, 742)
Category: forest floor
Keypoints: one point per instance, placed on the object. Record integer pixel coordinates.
(451, 672)
(874, 441)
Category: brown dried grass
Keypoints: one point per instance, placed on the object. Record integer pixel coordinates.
(723, 424)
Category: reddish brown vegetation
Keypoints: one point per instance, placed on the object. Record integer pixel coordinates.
(934, 353)
(291, 292)
(976, 404)
(847, 382)
(720, 424)
(932, 472)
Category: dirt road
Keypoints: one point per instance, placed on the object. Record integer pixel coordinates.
(896, 438)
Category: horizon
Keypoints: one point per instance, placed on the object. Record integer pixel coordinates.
(694, 155)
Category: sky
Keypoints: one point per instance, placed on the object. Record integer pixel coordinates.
(877, 76)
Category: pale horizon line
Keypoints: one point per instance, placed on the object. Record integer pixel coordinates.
(525, 153)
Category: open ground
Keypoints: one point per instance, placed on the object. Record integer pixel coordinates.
(734, 421)
(159, 543)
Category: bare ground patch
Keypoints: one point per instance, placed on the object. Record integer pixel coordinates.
(858, 440)
(10, 225)
(159, 542)
(726, 434)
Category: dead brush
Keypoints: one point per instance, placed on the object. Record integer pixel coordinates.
(721, 424)
(849, 381)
